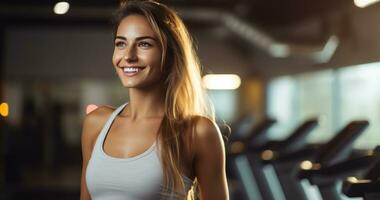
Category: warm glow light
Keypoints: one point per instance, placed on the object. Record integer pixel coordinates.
(355, 180)
(370, 152)
(91, 108)
(237, 147)
(267, 155)
(4, 109)
(306, 165)
(352, 179)
(221, 81)
(61, 8)
(364, 3)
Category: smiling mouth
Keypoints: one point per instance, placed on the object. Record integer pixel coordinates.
(130, 71)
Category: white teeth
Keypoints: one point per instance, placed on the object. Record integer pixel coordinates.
(131, 69)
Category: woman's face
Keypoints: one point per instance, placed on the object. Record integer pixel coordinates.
(137, 53)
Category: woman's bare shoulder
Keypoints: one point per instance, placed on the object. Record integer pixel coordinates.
(206, 130)
(95, 120)
(99, 113)
(204, 125)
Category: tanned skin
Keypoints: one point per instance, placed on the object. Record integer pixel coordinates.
(137, 46)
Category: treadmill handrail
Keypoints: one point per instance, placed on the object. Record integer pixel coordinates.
(338, 171)
(258, 134)
(339, 148)
(354, 187)
(297, 139)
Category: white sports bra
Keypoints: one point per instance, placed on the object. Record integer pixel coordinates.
(135, 178)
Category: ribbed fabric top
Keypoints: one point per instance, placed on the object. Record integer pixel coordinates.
(135, 178)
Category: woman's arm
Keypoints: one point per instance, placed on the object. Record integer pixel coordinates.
(210, 161)
(92, 126)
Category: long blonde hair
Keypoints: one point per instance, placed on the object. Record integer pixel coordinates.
(185, 96)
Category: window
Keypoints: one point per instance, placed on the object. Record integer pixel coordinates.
(335, 97)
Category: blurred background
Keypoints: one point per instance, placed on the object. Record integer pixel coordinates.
(289, 60)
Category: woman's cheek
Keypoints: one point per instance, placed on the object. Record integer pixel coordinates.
(156, 58)
(116, 57)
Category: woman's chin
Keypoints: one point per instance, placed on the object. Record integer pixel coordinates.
(129, 86)
(129, 83)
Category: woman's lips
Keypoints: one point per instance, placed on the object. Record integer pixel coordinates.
(132, 71)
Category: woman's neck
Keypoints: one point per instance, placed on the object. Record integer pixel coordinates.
(143, 104)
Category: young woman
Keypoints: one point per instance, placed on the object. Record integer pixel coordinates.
(164, 140)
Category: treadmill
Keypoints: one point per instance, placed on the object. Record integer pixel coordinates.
(322, 168)
(368, 186)
(264, 175)
(237, 162)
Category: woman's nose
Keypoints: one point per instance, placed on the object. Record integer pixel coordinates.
(130, 55)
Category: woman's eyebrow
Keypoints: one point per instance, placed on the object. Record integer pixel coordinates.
(137, 38)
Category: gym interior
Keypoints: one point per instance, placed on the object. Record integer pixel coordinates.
(295, 85)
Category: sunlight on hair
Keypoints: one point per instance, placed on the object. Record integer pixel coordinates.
(4, 109)
(221, 81)
(91, 108)
(61, 8)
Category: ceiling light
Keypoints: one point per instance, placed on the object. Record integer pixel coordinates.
(61, 8)
(221, 81)
(364, 3)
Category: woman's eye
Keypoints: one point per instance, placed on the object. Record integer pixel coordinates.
(144, 44)
(120, 44)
